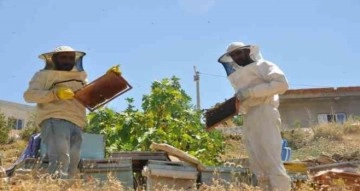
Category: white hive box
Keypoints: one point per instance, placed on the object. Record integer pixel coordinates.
(169, 175)
(120, 168)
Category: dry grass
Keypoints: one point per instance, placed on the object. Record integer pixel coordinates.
(46, 183)
(326, 139)
(352, 128)
(298, 138)
(329, 139)
(331, 131)
(10, 152)
(306, 143)
(27, 182)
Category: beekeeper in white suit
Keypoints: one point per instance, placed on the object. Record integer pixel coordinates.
(257, 83)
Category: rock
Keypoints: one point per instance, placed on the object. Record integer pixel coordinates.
(337, 157)
(325, 159)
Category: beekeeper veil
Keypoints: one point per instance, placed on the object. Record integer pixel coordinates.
(49, 62)
(227, 61)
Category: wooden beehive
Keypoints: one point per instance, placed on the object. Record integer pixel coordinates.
(220, 113)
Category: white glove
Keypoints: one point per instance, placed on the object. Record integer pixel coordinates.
(241, 95)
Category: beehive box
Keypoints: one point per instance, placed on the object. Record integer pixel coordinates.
(226, 175)
(120, 168)
(169, 175)
(140, 158)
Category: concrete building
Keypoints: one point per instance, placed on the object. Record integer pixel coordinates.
(306, 107)
(18, 115)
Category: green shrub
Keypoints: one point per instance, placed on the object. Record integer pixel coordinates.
(4, 129)
(31, 128)
(167, 116)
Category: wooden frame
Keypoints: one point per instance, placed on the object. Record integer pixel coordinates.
(221, 113)
(102, 90)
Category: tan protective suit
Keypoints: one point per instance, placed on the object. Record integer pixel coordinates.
(264, 81)
(42, 90)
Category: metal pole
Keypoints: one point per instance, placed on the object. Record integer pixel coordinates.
(197, 80)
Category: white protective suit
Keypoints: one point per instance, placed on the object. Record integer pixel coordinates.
(263, 81)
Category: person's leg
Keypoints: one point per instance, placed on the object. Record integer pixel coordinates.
(264, 140)
(250, 139)
(279, 180)
(75, 150)
(56, 137)
(255, 167)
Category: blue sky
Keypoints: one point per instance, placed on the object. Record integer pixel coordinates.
(315, 43)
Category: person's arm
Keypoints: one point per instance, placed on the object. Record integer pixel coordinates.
(275, 81)
(36, 92)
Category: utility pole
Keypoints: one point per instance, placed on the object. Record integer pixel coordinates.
(197, 80)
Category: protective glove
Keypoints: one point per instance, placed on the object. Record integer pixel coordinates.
(115, 69)
(241, 95)
(64, 93)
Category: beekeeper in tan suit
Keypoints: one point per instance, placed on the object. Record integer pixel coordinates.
(257, 83)
(59, 115)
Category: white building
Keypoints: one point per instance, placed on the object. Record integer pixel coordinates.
(308, 107)
(18, 115)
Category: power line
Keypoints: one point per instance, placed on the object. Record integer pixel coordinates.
(215, 75)
(304, 85)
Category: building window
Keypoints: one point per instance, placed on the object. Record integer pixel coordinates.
(15, 123)
(329, 118)
(340, 118)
